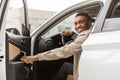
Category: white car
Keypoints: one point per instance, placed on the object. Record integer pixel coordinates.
(100, 59)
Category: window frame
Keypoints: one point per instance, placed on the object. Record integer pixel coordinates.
(110, 20)
(101, 17)
(63, 15)
(83, 9)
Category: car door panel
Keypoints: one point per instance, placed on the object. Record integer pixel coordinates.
(101, 57)
(17, 46)
(22, 42)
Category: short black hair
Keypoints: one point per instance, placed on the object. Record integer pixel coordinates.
(83, 14)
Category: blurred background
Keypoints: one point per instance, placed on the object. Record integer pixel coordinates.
(39, 11)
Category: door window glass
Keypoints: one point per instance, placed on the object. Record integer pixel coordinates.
(68, 24)
(112, 23)
(15, 17)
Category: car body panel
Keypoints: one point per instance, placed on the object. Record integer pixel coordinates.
(100, 57)
(2, 43)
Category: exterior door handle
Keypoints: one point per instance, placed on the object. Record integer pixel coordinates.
(1, 57)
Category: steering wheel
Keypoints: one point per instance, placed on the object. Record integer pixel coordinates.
(62, 40)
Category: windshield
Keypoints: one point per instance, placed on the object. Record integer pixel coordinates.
(41, 10)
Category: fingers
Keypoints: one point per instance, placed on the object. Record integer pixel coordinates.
(29, 59)
(63, 33)
(26, 59)
(66, 33)
(23, 59)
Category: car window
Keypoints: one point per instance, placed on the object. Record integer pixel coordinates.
(112, 23)
(15, 17)
(68, 23)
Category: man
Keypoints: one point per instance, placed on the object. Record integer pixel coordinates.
(82, 26)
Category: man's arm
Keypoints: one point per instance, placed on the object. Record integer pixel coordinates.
(58, 53)
(67, 50)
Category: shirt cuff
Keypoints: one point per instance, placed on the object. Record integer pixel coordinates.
(74, 35)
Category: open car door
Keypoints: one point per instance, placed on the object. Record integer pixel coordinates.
(15, 40)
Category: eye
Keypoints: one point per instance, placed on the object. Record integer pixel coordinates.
(75, 23)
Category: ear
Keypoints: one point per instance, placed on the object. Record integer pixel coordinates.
(90, 23)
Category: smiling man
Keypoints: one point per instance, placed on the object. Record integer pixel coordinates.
(82, 26)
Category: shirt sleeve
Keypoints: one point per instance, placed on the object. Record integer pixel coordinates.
(65, 51)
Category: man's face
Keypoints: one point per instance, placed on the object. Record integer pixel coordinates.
(81, 23)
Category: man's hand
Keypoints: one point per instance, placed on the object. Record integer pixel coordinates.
(29, 59)
(66, 33)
